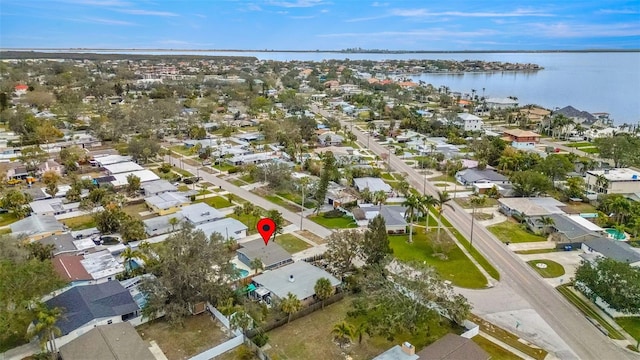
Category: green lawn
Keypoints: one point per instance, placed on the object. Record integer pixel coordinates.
(80, 222)
(387, 176)
(344, 222)
(291, 243)
(496, 352)
(135, 209)
(464, 202)
(217, 202)
(182, 172)
(457, 267)
(552, 270)
(248, 220)
(631, 325)
(443, 178)
(181, 149)
(589, 150)
(223, 166)
(587, 309)
(512, 232)
(486, 265)
(7, 218)
(183, 188)
(579, 144)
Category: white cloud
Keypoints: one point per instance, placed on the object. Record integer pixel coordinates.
(302, 17)
(297, 3)
(427, 13)
(566, 30)
(105, 21)
(379, 4)
(618, 11)
(147, 12)
(434, 33)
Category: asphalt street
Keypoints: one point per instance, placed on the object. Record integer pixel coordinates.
(585, 341)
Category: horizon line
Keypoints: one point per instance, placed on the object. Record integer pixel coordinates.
(349, 51)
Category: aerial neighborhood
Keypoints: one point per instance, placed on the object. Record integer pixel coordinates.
(132, 186)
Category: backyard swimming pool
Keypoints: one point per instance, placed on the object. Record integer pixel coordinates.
(616, 235)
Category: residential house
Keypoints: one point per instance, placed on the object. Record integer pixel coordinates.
(272, 255)
(52, 206)
(330, 139)
(257, 158)
(37, 227)
(469, 177)
(393, 216)
(20, 89)
(51, 165)
(88, 306)
(521, 139)
(62, 244)
(157, 187)
(371, 183)
(197, 215)
(120, 179)
(108, 342)
(612, 249)
(70, 269)
(200, 213)
(453, 347)
(122, 167)
(522, 208)
(104, 160)
(102, 266)
(501, 103)
(469, 122)
(406, 351)
(298, 278)
(229, 228)
(566, 229)
(166, 203)
(613, 181)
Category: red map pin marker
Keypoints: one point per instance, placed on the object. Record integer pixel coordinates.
(266, 227)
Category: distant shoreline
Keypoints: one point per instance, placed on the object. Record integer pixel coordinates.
(363, 51)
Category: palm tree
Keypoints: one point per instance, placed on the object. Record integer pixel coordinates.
(237, 211)
(412, 203)
(380, 197)
(360, 330)
(342, 333)
(366, 195)
(403, 187)
(45, 327)
(256, 264)
(128, 254)
(546, 222)
(476, 202)
(441, 201)
(602, 183)
(323, 289)
(290, 305)
(173, 221)
(231, 197)
(427, 201)
(256, 213)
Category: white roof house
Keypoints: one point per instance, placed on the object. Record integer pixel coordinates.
(298, 278)
(111, 159)
(122, 167)
(371, 183)
(166, 200)
(469, 122)
(53, 206)
(157, 187)
(200, 213)
(102, 265)
(144, 175)
(229, 228)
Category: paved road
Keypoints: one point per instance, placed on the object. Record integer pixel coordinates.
(241, 193)
(580, 335)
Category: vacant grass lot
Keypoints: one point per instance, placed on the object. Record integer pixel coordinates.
(344, 222)
(631, 325)
(464, 202)
(456, 267)
(217, 202)
(291, 243)
(512, 232)
(135, 210)
(552, 270)
(79, 222)
(199, 333)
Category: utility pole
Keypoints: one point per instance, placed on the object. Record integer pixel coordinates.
(473, 218)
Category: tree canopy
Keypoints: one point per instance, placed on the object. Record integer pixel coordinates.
(617, 283)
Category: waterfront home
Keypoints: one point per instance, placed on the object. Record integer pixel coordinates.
(501, 103)
(469, 122)
(613, 181)
(521, 139)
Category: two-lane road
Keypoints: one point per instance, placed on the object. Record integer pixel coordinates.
(580, 335)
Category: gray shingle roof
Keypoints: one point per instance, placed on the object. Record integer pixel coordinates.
(270, 254)
(453, 347)
(82, 304)
(474, 175)
(36, 224)
(616, 250)
(571, 229)
(108, 342)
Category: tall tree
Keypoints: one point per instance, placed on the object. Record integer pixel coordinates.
(290, 305)
(133, 184)
(323, 289)
(376, 247)
(379, 197)
(441, 201)
(256, 264)
(45, 328)
(191, 268)
(617, 283)
(426, 202)
(343, 248)
(530, 183)
(412, 205)
(16, 202)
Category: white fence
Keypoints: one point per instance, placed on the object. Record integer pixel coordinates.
(225, 346)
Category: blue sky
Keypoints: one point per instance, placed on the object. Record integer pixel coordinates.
(320, 24)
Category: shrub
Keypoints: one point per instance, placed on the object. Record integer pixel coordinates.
(233, 170)
(261, 339)
(335, 213)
